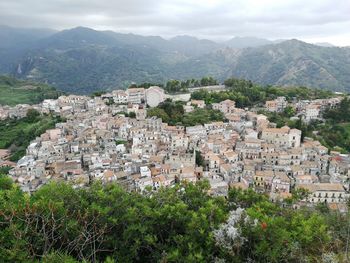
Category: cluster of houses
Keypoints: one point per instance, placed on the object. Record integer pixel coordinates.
(308, 110)
(4, 156)
(153, 96)
(17, 112)
(100, 141)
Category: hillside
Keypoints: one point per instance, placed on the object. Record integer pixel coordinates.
(295, 63)
(83, 60)
(13, 91)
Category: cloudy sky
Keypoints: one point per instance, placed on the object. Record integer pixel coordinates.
(308, 20)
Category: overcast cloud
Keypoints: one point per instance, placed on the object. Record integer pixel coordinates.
(308, 20)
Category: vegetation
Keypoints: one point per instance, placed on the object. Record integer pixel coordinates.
(199, 159)
(175, 86)
(245, 93)
(13, 91)
(340, 114)
(130, 114)
(5, 169)
(98, 93)
(59, 223)
(334, 132)
(173, 114)
(145, 85)
(17, 134)
(117, 142)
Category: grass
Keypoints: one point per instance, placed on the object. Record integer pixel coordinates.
(13, 91)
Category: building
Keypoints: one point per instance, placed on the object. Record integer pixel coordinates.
(120, 97)
(325, 192)
(277, 105)
(312, 112)
(198, 103)
(283, 137)
(136, 95)
(154, 96)
(226, 106)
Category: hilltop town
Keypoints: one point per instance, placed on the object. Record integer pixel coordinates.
(110, 138)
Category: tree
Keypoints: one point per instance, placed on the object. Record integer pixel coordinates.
(98, 93)
(132, 115)
(32, 115)
(102, 223)
(199, 159)
(159, 113)
(289, 111)
(5, 182)
(208, 81)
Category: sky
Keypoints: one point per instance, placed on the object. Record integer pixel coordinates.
(308, 20)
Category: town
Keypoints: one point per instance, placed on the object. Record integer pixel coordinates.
(110, 138)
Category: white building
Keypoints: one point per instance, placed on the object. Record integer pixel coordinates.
(154, 96)
(283, 137)
(145, 171)
(226, 106)
(136, 95)
(277, 105)
(325, 192)
(312, 112)
(120, 97)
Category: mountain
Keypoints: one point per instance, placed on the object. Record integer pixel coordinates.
(192, 46)
(324, 44)
(295, 62)
(83, 60)
(15, 41)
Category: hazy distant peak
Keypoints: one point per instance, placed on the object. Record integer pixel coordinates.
(184, 38)
(244, 42)
(324, 44)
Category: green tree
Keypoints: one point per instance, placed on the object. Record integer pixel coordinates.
(199, 159)
(289, 111)
(159, 113)
(32, 115)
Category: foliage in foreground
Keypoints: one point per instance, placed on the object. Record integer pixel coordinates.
(182, 224)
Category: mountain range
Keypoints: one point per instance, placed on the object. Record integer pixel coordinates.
(82, 60)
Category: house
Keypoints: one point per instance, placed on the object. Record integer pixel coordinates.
(277, 105)
(196, 130)
(283, 137)
(120, 96)
(197, 103)
(136, 95)
(280, 183)
(145, 171)
(312, 112)
(325, 192)
(218, 187)
(212, 162)
(163, 181)
(226, 106)
(271, 105)
(263, 180)
(188, 174)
